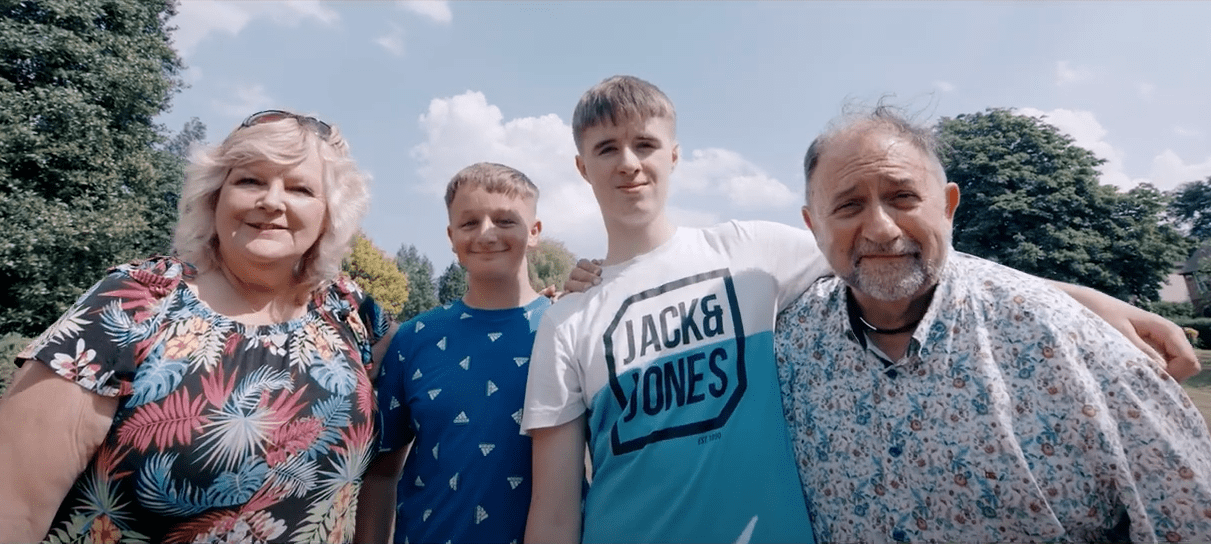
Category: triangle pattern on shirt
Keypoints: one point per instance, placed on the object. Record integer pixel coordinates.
(486, 448)
(517, 416)
(494, 336)
(416, 375)
(521, 360)
(425, 516)
(418, 482)
(514, 481)
(441, 344)
(394, 403)
(435, 446)
(399, 357)
(528, 313)
(465, 316)
(454, 482)
(480, 514)
(465, 363)
(492, 388)
(419, 325)
(462, 418)
(433, 393)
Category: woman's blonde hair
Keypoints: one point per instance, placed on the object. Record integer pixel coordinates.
(286, 141)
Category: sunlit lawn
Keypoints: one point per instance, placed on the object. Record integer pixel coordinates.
(1199, 386)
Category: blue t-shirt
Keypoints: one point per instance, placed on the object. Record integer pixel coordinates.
(454, 379)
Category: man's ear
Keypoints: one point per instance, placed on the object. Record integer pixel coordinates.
(952, 200)
(580, 168)
(807, 217)
(535, 230)
(676, 154)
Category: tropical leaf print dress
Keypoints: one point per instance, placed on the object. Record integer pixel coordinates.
(224, 432)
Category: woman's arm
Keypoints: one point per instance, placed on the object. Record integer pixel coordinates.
(49, 430)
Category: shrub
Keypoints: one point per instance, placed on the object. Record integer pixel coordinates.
(1200, 324)
(10, 344)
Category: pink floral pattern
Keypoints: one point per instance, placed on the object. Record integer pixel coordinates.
(224, 432)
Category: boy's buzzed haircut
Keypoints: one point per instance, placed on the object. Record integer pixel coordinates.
(619, 99)
(493, 178)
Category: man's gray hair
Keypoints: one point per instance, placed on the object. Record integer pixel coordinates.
(882, 117)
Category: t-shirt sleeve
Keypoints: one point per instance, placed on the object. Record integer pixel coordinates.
(393, 406)
(554, 394)
(94, 343)
(788, 253)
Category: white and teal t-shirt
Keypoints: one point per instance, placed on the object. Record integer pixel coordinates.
(672, 359)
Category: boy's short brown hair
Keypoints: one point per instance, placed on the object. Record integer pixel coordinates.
(493, 178)
(619, 99)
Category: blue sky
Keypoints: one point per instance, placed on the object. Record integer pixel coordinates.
(421, 89)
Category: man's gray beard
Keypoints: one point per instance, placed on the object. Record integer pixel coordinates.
(893, 281)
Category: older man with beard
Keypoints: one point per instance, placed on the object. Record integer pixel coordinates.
(935, 396)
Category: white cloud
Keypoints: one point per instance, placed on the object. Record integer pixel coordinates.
(1146, 90)
(1088, 133)
(464, 129)
(1187, 132)
(436, 10)
(1168, 169)
(245, 100)
(944, 86)
(392, 41)
(720, 172)
(196, 19)
(1066, 75)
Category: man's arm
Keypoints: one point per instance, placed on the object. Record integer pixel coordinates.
(1160, 338)
(376, 501)
(558, 467)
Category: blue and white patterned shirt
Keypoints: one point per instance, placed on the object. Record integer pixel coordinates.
(1015, 415)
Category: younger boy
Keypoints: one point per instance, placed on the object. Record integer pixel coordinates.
(667, 367)
(453, 381)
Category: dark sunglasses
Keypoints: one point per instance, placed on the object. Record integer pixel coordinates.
(322, 129)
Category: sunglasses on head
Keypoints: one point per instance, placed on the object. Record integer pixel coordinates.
(322, 129)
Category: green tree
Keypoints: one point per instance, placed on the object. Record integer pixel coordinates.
(172, 156)
(549, 264)
(422, 292)
(1190, 207)
(1031, 200)
(452, 284)
(377, 274)
(80, 83)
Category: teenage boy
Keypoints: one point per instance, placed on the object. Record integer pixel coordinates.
(453, 381)
(666, 368)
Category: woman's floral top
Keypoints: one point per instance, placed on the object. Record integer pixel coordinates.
(224, 432)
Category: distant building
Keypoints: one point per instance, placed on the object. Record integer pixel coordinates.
(1197, 273)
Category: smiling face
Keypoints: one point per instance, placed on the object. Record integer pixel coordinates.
(882, 213)
(269, 215)
(628, 165)
(491, 232)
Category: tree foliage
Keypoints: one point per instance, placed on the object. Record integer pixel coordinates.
(1031, 200)
(549, 264)
(422, 292)
(377, 275)
(1190, 207)
(81, 163)
(452, 284)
